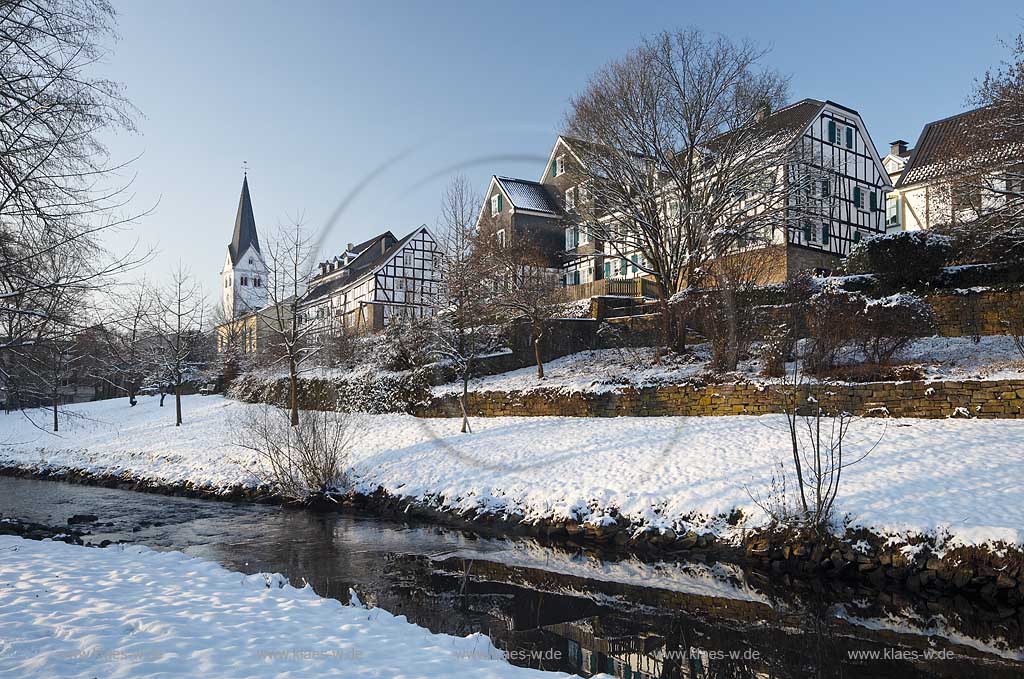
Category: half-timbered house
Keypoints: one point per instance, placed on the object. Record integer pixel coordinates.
(373, 283)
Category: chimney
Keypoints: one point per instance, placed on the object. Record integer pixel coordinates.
(898, 148)
(764, 111)
(348, 248)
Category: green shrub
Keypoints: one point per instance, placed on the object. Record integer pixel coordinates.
(904, 258)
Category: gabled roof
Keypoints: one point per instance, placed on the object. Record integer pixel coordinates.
(372, 254)
(245, 226)
(946, 143)
(788, 120)
(527, 195)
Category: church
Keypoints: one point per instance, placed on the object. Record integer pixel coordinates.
(244, 276)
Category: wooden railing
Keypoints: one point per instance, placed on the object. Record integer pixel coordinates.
(619, 287)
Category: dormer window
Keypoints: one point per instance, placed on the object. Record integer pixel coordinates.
(496, 204)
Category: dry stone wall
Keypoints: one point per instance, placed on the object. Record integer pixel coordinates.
(995, 399)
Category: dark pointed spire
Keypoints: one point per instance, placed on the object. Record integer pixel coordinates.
(245, 225)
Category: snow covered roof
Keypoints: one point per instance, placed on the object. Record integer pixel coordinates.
(527, 195)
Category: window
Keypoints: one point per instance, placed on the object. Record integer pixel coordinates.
(407, 258)
(227, 282)
(256, 282)
(250, 260)
(826, 188)
(570, 199)
(501, 237)
(572, 237)
(892, 211)
(559, 166)
(584, 234)
(401, 283)
(245, 281)
(810, 233)
(495, 204)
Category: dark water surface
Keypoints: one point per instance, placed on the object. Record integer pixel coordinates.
(561, 609)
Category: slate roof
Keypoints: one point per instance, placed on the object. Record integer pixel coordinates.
(527, 195)
(371, 255)
(245, 226)
(946, 144)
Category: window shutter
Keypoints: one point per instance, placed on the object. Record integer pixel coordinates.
(633, 260)
(874, 201)
(856, 236)
(499, 202)
(832, 132)
(857, 197)
(824, 234)
(607, 269)
(849, 137)
(807, 232)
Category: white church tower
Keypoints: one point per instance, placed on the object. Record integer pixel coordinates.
(244, 277)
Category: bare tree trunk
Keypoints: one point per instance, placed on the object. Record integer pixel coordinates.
(177, 405)
(293, 389)
(463, 401)
(537, 334)
(56, 399)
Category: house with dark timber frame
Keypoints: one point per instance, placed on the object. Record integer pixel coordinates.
(373, 283)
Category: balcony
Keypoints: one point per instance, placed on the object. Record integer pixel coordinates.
(618, 287)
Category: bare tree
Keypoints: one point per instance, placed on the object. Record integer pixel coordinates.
(459, 323)
(178, 325)
(234, 346)
(128, 340)
(54, 201)
(291, 341)
(524, 289)
(678, 159)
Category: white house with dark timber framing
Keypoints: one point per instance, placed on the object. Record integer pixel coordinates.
(830, 139)
(372, 283)
(837, 142)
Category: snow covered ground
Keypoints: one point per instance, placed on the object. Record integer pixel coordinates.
(959, 478)
(939, 358)
(69, 611)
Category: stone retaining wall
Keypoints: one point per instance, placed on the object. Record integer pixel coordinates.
(977, 313)
(995, 399)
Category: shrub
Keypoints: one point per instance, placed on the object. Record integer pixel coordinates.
(907, 257)
(775, 350)
(304, 463)
(889, 324)
(831, 325)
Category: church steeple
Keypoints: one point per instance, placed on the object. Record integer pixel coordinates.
(245, 225)
(245, 272)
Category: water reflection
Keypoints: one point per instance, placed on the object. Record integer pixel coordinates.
(565, 609)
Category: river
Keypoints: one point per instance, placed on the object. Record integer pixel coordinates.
(557, 608)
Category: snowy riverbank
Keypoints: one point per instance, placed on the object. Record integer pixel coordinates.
(961, 480)
(70, 611)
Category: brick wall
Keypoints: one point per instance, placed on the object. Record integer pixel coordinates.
(996, 399)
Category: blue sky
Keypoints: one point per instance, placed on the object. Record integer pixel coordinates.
(317, 96)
